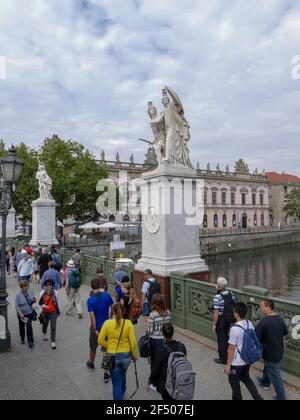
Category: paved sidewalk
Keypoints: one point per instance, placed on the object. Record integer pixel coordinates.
(62, 374)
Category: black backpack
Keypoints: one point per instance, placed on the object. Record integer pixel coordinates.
(229, 304)
(153, 290)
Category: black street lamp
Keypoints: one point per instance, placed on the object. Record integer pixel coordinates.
(11, 168)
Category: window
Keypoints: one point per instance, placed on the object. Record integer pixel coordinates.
(224, 220)
(216, 221)
(255, 220)
(233, 199)
(263, 219)
(234, 220)
(205, 197)
(262, 201)
(254, 199)
(214, 198)
(205, 221)
(243, 199)
(224, 198)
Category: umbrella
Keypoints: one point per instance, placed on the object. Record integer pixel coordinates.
(109, 225)
(89, 226)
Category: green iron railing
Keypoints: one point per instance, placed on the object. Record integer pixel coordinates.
(191, 305)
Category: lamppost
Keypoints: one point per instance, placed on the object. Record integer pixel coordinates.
(11, 168)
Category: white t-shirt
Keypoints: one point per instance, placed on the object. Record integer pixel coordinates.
(236, 339)
(146, 287)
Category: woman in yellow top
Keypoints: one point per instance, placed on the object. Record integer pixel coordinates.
(117, 336)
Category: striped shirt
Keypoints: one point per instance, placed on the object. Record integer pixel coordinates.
(219, 303)
(155, 324)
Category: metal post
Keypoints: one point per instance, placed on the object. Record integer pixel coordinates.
(5, 339)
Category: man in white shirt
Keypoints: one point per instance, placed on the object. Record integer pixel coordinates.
(148, 276)
(236, 368)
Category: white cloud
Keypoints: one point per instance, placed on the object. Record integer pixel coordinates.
(86, 70)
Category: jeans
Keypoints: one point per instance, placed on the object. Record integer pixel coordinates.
(154, 346)
(222, 330)
(118, 375)
(52, 318)
(146, 309)
(272, 375)
(242, 375)
(21, 278)
(28, 327)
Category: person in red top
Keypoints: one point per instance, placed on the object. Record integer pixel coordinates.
(50, 311)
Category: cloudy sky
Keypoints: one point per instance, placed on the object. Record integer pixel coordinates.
(85, 69)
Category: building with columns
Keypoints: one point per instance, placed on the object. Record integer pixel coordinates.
(231, 199)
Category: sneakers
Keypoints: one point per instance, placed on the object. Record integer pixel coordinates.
(219, 362)
(53, 346)
(153, 388)
(31, 345)
(265, 388)
(69, 314)
(45, 338)
(22, 342)
(106, 378)
(80, 316)
(90, 365)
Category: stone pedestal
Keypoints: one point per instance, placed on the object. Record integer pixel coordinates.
(170, 240)
(10, 224)
(44, 222)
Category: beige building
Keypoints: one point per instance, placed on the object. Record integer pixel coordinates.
(231, 199)
(279, 186)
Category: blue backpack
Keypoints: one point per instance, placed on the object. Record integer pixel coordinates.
(252, 349)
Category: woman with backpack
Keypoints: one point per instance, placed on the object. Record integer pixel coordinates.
(50, 311)
(159, 316)
(117, 336)
(131, 303)
(159, 370)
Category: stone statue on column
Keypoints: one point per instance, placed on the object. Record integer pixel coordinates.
(45, 183)
(171, 131)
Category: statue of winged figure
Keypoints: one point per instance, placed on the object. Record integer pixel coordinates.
(171, 131)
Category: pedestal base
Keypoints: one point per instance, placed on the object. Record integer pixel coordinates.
(44, 223)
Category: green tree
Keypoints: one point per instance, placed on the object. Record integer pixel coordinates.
(292, 207)
(75, 175)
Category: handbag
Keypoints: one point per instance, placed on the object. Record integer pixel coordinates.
(42, 318)
(34, 314)
(109, 362)
(144, 346)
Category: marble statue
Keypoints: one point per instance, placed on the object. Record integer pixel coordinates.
(103, 156)
(171, 131)
(45, 183)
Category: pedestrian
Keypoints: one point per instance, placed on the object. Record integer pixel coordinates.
(43, 262)
(159, 370)
(238, 369)
(119, 273)
(100, 276)
(159, 316)
(50, 311)
(150, 287)
(131, 303)
(18, 258)
(12, 256)
(223, 318)
(117, 336)
(25, 312)
(25, 267)
(99, 305)
(78, 260)
(52, 274)
(119, 292)
(74, 281)
(56, 258)
(271, 332)
(35, 257)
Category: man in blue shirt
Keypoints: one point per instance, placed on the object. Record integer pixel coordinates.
(119, 274)
(99, 305)
(52, 274)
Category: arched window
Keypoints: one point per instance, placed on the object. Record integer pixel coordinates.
(224, 220)
(205, 221)
(112, 219)
(244, 221)
(255, 220)
(216, 221)
(234, 220)
(262, 219)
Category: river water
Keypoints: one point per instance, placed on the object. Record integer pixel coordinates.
(275, 268)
